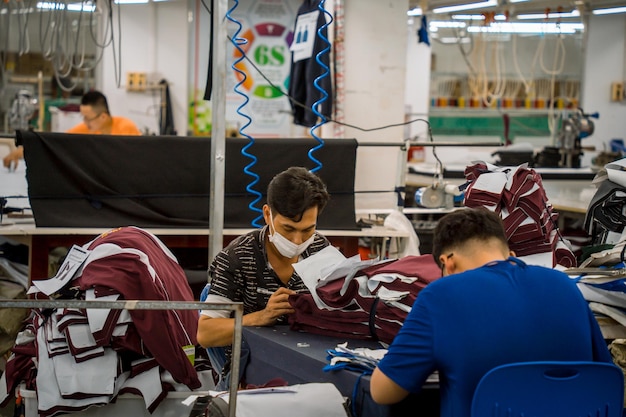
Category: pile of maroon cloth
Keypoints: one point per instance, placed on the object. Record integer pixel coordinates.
(518, 196)
(77, 358)
(373, 304)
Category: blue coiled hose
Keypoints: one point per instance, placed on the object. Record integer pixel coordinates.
(238, 41)
(316, 83)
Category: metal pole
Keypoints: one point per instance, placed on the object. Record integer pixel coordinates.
(218, 128)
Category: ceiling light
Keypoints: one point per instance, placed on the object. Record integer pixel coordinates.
(435, 24)
(612, 10)
(470, 6)
(415, 12)
(527, 27)
(73, 7)
(453, 40)
(468, 17)
(539, 16)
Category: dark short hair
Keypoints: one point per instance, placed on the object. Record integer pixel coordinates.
(456, 228)
(294, 191)
(97, 100)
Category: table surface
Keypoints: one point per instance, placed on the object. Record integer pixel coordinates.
(299, 357)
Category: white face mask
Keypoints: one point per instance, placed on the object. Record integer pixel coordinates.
(285, 246)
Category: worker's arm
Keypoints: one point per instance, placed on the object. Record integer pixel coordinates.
(12, 159)
(384, 390)
(218, 331)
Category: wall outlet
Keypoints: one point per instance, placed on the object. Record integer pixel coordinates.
(617, 91)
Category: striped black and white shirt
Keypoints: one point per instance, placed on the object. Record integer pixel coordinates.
(242, 273)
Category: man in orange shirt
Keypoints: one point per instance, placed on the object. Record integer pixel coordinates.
(97, 120)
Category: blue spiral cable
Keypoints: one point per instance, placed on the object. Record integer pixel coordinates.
(325, 73)
(238, 41)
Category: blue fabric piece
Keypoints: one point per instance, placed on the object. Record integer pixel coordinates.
(618, 285)
(463, 325)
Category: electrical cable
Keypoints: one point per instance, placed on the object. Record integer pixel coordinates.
(299, 104)
(238, 41)
(325, 74)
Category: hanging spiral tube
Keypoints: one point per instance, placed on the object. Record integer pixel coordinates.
(238, 42)
(316, 83)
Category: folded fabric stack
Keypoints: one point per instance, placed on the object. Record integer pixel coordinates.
(605, 218)
(517, 194)
(359, 359)
(77, 358)
(369, 304)
(602, 282)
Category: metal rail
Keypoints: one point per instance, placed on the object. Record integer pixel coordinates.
(154, 305)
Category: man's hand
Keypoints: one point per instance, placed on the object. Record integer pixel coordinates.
(277, 306)
(12, 159)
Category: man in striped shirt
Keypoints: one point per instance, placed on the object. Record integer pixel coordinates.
(257, 268)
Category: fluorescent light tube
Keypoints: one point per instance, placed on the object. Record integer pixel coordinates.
(446, 24)
(469, 6)
(415, 12)
(468, 17)
(527, 27)
(539, 16)
(612, 10)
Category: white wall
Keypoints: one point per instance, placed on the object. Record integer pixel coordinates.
(375, 56)
(418, 64)
(604, 64)
(154, 40)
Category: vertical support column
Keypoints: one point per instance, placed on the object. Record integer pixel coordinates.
(218, 130)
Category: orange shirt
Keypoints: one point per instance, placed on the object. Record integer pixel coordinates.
(120, 126)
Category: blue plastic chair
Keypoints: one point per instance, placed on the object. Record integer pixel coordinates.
(550, 389)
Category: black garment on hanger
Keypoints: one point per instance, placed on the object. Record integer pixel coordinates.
(166, 117)
(304, 73)
(209, 79)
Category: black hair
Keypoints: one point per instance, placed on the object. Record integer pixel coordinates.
(97, 100)
(456, 228)
(294, 191)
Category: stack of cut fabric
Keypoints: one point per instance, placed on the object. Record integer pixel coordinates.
(371, 303)
(606, 215)
(518, 196)
(602, 282)
(78, 358)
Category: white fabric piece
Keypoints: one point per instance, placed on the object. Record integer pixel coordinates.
(148, 383)
(79, 336)
(599, 295)
(616, 314)
(387, 278)
(14, 272)
(398, 221)
(97, 317)
(48, 392)
(95, 376)
(388, 295)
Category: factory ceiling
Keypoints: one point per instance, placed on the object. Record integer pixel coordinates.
(514, 8)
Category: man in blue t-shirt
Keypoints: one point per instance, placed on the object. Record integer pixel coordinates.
(489, 309)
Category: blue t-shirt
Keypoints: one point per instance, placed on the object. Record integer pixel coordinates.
(465, 324)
